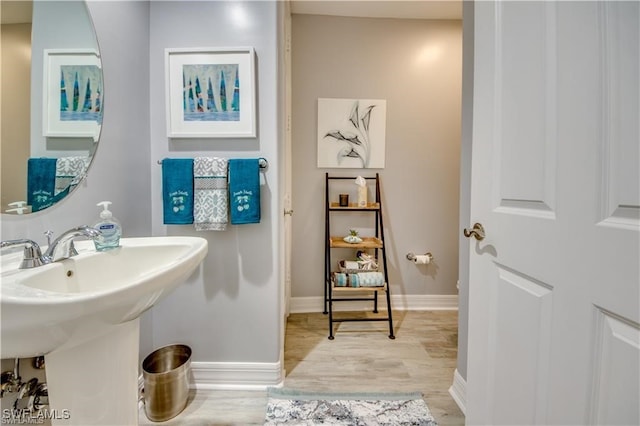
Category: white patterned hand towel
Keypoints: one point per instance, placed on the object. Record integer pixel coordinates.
(210, 202)
(70, 171)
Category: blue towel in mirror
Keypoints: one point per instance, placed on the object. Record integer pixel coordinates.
(177, 191)
(41, 182)
(244, 191)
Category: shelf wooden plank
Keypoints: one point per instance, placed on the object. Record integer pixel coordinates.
(367, 243)
(358, 289)
(354, 206)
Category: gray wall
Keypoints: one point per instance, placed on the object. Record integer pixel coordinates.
(15, 111)
(230, 311)
(123, 153)
(120, 171)
(76, 33)
(416, 66)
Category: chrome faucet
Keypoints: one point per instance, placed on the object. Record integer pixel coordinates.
(32, 257)
(63, 248)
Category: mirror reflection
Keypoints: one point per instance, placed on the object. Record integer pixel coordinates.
(52, 99)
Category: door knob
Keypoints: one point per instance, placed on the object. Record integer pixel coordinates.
(477, 232)
(288, 212)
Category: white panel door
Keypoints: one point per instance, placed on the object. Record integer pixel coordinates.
(554, 286)
(288, 163)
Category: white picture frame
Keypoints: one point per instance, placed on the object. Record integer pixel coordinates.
(351, 133)
(72, 93)
(210, 92)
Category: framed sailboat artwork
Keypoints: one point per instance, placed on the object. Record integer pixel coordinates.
(210, 92)
(72, 93)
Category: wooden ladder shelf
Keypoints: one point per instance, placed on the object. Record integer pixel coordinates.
(333, 292)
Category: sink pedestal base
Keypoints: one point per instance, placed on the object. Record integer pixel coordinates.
(95, 382)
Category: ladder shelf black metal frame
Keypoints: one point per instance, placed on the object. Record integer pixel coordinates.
(376, 243)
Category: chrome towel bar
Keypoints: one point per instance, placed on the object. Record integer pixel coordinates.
(264, 164)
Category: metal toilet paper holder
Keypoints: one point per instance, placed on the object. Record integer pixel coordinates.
(411, 256)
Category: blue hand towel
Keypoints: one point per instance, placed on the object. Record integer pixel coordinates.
(41, 182)
(177, 191)
(244, 190)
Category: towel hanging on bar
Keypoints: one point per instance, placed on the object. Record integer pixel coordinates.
(211, 196)
(264, 164)
(177, 191)
(41, 179)
(70, 171)
(221, 189)
(244, 191)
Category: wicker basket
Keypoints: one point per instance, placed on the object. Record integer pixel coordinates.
(342, 268)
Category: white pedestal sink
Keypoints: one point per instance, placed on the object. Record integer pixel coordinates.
(83, 315)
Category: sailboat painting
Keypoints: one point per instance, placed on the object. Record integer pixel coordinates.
(72, 93)
(210, 92)
(80, 92)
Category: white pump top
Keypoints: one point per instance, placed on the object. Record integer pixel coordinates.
(106, 213)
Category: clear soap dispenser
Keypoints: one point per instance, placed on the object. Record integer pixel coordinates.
(110, 228)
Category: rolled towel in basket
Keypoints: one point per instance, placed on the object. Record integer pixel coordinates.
(351, 264)
(354, 280)
(371, 279)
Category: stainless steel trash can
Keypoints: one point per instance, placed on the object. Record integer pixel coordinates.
(166, 382)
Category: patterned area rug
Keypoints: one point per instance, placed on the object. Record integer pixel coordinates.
(291, 407)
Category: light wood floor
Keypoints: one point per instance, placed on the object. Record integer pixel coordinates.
(361, 358)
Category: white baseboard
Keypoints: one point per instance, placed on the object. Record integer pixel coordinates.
(232, 375)
(410, 302)
(236, 375)
(458, 391)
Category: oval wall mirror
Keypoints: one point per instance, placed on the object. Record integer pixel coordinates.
(52, 98)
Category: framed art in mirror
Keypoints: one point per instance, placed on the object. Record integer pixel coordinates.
(210, 92)
(72, 93)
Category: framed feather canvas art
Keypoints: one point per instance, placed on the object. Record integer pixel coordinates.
(351, 133)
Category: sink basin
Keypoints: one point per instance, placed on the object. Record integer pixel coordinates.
(83, 313)
(108, 272)
(46, 307)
